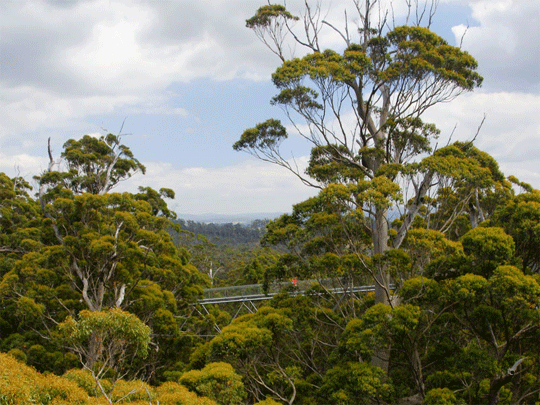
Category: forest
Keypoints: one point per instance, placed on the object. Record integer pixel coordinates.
(101, 291)
(227, 233)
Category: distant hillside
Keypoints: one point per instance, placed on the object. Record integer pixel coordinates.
(244, 219)
(227, 233)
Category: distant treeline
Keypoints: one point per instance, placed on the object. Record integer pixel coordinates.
(229, 233)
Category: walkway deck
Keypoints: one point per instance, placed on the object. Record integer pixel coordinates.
(255, 292)
(245, 296)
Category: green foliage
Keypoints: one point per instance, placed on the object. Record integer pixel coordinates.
(240, 340)
(487, 248)
(221, 234)
(440, 396)
(324, 236)
(156, 200)
(355, 383)
(90, 248)
(516, 292)
(105, 340)
(421, 53)
(253, 273)
(427, 246)
(403, 55)
(20, 222)
(217, 381)
(266, 14)
(324, 167)
(474, 188)
(381, 325)
(468, 289)
(113, 324)
(93, 165)
(171, 393)
(266, 135)
(227, 254)
(29, 310)
(268, 401)
(497, 318)
(267, 343)
(85, 380)
(21, 384)
(114, 232)
(420, 290)
(113, 240)
(388, 79)
(520, 218)
(18, 355)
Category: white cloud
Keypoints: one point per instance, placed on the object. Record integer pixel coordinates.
(505, 43)
(23, 165)
(251, 186)
(28, 109)
(67, 63)
(65, 60)
(511, 131)
(61, 62)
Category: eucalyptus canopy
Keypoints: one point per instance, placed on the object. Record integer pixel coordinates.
(110, 241)
(360, 107)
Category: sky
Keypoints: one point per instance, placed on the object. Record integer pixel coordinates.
(186, 77)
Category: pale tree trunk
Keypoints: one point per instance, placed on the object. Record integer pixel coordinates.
(380, 227)
(380, 245)
(417, 370)
(381, 356)
(413, 208)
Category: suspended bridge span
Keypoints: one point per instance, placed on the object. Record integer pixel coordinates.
(246, 298)
(255, 292)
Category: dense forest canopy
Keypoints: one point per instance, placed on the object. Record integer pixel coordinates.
(228, 233)
(101, 291)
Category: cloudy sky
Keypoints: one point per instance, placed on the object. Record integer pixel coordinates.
(189, 78)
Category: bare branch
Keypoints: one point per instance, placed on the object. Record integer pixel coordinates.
(463, 36)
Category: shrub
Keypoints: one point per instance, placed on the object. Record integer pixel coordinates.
(440, 396)
(171, 393)
(85, 380)
(22, 384)
(217, 381)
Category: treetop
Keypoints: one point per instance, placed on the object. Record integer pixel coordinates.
(265, 14)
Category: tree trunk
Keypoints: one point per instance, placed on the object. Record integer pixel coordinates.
(380, 245)
(381, 356)
(416, 363)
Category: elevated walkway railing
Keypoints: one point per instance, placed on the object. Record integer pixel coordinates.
(255, 292)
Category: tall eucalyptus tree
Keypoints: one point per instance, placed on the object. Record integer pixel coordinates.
(360, 108)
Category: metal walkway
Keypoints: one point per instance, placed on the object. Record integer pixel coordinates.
(247, 296)
(255, 292)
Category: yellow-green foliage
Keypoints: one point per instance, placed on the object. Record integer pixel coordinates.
(487, 248)
(265, 14)
(425, 245)
(440, 396)
(132, 392)
(21, 384)
(84, 379)
(18, 354)
(171, 393)
(217, 381)
(267, 401)
(111, 324)
(355, 383)
(135, 392)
